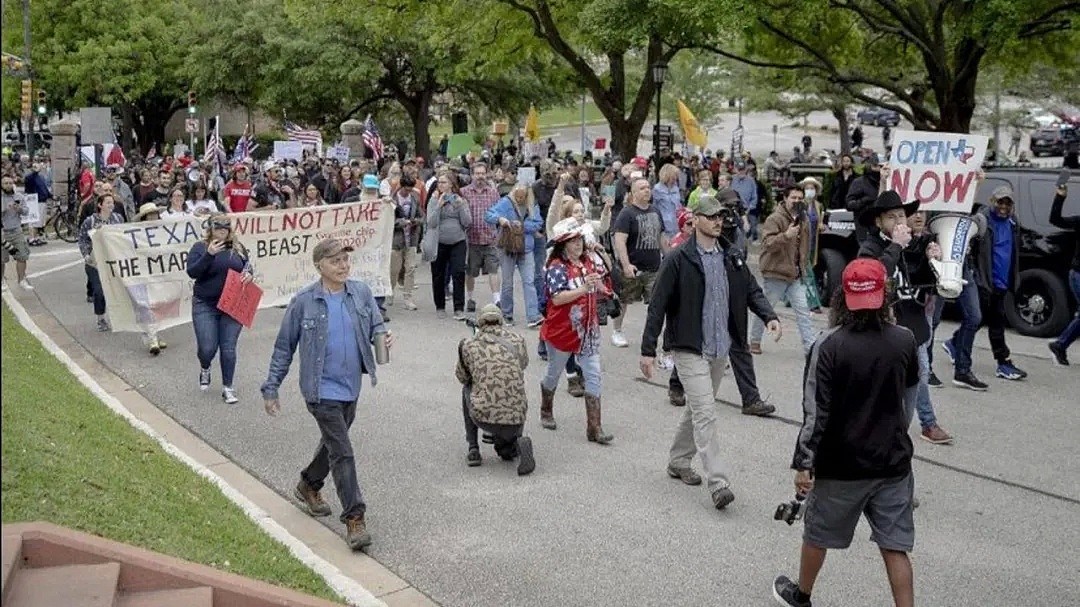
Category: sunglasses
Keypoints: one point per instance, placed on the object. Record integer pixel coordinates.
(217, 225)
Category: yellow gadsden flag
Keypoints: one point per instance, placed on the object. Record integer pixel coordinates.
(690, 126)
(532, 125)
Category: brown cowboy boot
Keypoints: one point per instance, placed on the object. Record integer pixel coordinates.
(356, 533)
(575, 385)
(547, 405)
(593, 431)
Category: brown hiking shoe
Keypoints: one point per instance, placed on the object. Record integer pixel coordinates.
(547, 406)
(755, 347)
(311, 500)
(934, 434)
(356, 533)
(575, 385)
(686, 475)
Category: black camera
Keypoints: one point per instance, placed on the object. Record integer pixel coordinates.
(789, 512)
(608, 307)
(10, 247)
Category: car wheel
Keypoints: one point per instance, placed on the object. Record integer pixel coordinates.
(834, 264)
(1039, 307)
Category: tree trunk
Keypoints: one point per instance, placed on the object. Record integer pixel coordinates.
(421, 121)
(127, 127)
(840, 113)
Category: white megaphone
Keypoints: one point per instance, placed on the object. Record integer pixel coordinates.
(953, 232)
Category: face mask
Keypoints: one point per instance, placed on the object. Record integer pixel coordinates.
(810, 193)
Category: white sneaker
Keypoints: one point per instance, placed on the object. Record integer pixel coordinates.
(25, 284)
(618, 340)
(229, 396)
(665, 362)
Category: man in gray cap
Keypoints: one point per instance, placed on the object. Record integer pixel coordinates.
(491, 368)
(334, 321)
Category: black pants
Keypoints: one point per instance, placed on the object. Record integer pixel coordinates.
(742, 367)
(993, 305)
(334, 455)
(95, 290)
(450, 260)
(506, 435)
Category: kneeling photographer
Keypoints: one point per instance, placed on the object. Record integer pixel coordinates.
(853, 454)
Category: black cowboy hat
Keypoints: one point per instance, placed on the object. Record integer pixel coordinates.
(886, 201)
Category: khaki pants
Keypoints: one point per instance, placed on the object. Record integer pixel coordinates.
(698, 430)
(403, 262)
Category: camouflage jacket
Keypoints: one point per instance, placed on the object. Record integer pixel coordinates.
(492, 365)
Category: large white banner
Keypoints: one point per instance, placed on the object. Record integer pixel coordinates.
(143, 266)
(937, 169)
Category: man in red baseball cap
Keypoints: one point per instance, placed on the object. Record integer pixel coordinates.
(853, 454)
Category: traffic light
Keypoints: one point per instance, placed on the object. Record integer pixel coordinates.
(191, 102)
(27, 93)
(41, 107)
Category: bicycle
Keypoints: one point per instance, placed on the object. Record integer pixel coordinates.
(64, 222)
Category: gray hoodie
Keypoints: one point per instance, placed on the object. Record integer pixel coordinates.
(13, 218)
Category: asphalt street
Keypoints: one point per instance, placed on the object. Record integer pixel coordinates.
(605, 525)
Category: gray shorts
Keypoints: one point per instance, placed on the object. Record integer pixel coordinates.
(833, 508)
(483, 257)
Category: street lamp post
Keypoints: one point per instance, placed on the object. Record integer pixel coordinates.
(659, 72)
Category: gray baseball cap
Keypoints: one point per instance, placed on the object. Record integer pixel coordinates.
(328, 248)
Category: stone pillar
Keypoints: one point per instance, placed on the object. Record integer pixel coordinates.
(352, 136)
(65, 157)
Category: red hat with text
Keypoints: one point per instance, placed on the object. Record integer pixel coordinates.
(864, 284)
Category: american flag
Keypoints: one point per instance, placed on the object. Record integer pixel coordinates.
(372, 139)
(295, 133)
(215, 150)
(245, 146)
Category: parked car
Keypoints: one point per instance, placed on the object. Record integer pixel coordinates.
(1041, 305)
(878, 117)
(1052, 140)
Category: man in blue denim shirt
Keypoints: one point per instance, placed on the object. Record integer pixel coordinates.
(334, 322)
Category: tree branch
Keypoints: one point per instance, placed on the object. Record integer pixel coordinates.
(1043, 24)
(363, 104)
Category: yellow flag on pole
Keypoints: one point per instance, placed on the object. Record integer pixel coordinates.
(532, 125)
(690, 126)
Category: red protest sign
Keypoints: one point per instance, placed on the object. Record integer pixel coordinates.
(240, 300)
(601, 143)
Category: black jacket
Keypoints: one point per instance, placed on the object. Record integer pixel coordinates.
(861, 194)
(911, 278)
(840, 187)
(1071, 222)
(982, 254)
(679, 293)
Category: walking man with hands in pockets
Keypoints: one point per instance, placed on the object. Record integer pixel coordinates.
(334, 323)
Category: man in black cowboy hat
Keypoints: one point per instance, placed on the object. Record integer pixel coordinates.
(907, 264)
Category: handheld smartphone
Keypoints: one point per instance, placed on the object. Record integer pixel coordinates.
(1063, 178)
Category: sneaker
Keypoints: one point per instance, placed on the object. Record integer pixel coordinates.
(947, 345)
(204, 379)
(459, 315)
(526, 461)
(229, 396)
(722, 497)
(969, 381)
(311, 500)
(536, 322)
(759, 408)
(162, 344)
(410, 304)
(786, 592)
(665, 362)
(154, 348)
(508, 321)
(25, 284)
(677, 398)
(473, 459)
(934, 382)
(755, 347)
(356, 533)
(440, 314)
(1007, 370)
(686, 475)
(935, 435)
(1059, 352)
(103, 325)
(618, 340)
(470, 306)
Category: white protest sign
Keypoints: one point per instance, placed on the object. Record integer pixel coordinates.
(33, 217)
(937, 169)
(289, 150)
(143, 266)
(341, 154)
(526, 175)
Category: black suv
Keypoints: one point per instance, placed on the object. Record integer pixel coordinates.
(877, 116)
(1041, 306)
(1052, 140)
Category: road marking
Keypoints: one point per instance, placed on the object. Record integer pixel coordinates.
(54, 253)
(70, 264)
(348, 588)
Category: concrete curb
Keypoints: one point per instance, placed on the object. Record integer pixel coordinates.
(311, 542)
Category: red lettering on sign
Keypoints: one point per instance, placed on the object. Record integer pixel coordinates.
(956, 186)
(920, 189)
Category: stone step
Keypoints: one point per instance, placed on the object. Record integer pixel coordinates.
(68, 585)
(201, 596)
(12, 555)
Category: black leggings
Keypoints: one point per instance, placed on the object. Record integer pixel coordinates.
(450, 260)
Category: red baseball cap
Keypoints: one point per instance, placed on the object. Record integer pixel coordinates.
(864, 284)
(640, 162)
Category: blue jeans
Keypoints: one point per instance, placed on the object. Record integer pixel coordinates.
(96, 291)
(524, 263)
(934, 319)
(334, 455)
(589, 364)
(795, 293)
(539, 261)
(215, 331)
(1072, 331)
(754, 220)
(964, 337)
(922, 402)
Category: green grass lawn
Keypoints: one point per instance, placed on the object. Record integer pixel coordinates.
(69, 460)
(548, 118)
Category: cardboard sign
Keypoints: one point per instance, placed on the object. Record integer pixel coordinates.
(33, 217)
(937, 169)
(340, 153)
(289, 150)
(240, 300)
(526, 175)
(143, 265)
